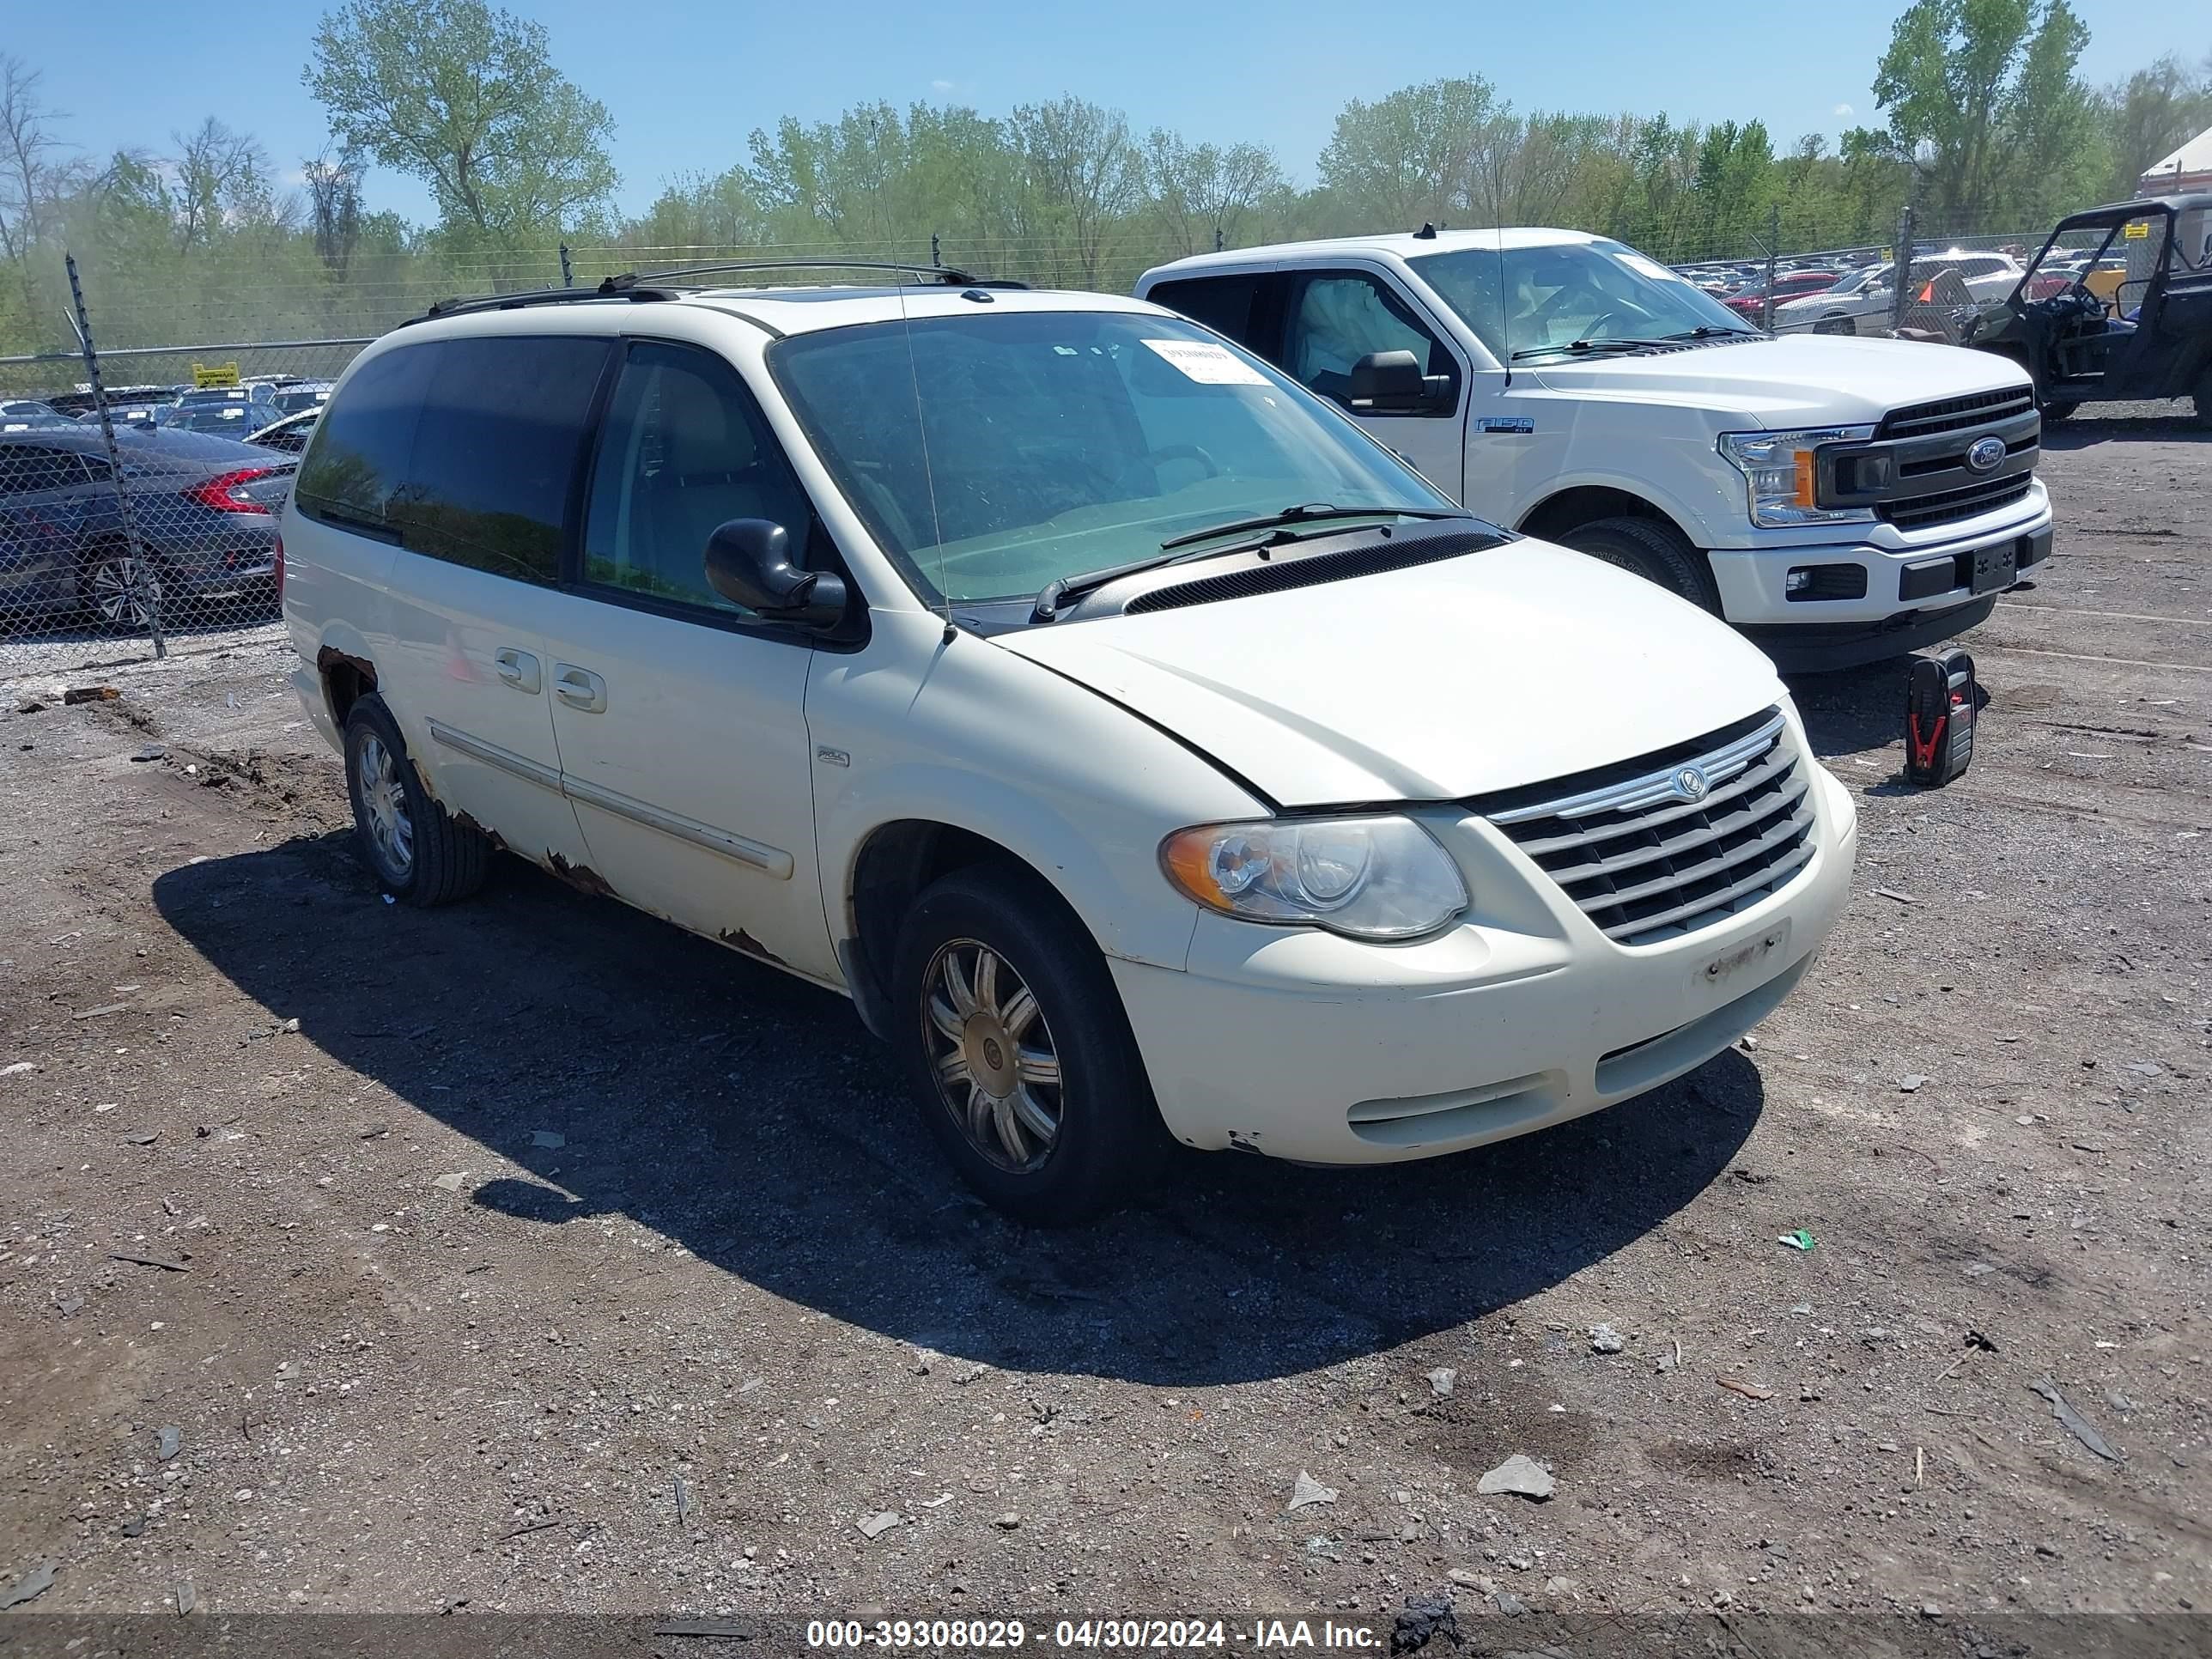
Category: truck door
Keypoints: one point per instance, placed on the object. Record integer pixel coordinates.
(1332, 318)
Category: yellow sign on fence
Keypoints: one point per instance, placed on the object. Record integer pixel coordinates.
(2135, 230)
(221, 375)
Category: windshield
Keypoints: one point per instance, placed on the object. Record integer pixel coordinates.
(1535, 301)
(994, 454)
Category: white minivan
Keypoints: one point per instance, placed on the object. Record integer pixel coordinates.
(1840, 500)
(1133, 739)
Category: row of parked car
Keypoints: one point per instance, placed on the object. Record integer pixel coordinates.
(238, 411)
(202, 473)
(1857, 296)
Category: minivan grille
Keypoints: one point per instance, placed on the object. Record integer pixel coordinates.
(1645, 862)
(1955, 413)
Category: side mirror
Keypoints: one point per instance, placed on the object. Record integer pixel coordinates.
(749, 563)
(1386, 382)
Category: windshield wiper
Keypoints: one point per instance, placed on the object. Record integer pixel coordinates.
(1583, 348)
(1707, 331)
(1057, 593)
(1309, 512)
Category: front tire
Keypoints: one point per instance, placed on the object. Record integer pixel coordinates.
(1020, 1056)
(1655, 551)
(418, 852)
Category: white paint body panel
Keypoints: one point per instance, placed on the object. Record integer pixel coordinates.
(1078, 746)
(1649, 426)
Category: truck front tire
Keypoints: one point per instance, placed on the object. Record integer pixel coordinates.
(1655, 551)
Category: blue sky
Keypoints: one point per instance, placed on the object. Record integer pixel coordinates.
(686, 83)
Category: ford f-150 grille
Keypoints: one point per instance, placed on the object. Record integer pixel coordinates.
(1955, 413)
(1673, 842)
(1937, 462)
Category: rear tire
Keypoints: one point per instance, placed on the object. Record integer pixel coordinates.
(122, 589)
(1025, 1070)
(418, 852)
(1655, 550)
(2203, 400)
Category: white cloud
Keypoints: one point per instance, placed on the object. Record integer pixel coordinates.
(1846, 111)
(940, 86)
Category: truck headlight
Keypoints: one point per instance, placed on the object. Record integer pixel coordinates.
(1779, 473)
(1373, 878)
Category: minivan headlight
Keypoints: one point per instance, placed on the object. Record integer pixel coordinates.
(1779, 472)
(1374, 878)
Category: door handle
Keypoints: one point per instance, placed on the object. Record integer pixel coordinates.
(517, 669)
(580, 688)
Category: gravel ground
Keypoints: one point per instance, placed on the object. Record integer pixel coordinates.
(533, 1256)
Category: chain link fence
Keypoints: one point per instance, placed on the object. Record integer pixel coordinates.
(151, 531)
(154, 532)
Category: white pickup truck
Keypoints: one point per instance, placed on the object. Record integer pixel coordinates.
(1839, 500)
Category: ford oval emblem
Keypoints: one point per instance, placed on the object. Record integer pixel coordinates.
(1690, 783)
(1986, 454)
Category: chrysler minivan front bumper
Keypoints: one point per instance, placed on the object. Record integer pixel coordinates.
(1299, 1044)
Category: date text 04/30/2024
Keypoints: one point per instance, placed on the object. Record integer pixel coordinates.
(1140, 1635)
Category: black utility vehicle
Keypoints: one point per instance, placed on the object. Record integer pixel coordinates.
(2154, 337)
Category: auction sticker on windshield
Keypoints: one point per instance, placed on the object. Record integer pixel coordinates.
(1209, 363)
(1650, 268)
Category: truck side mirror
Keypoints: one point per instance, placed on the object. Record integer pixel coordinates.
(1387, 382)
(749, 563)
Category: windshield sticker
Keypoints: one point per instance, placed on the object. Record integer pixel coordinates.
(1505, 423)
(1650, 268)
(1208, 363)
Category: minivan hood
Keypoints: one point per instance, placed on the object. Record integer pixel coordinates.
(1836, 380)
(1500, 668)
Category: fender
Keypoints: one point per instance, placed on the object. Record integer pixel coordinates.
(1075, 786)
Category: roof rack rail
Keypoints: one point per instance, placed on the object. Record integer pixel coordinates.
(624, 287)
(945, 276)
(631, 286)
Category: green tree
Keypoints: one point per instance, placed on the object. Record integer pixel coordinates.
(2156, 111)
(218, 173)
(1410, 156)
(1982, 99)
(466, 98)
(1080, 177)
(1202, 194)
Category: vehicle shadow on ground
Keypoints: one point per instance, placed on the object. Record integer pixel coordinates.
(1855, 709)
(750, 1119)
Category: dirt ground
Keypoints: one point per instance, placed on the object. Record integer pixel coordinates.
(532, 1256)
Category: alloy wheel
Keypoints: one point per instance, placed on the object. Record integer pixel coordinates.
(384, 798)
(992, 1052)
(124, 589)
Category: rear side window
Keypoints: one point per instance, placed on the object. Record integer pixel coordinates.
(496, 450)
(1224, 304)
(26, 469)
(462, 450)
(358, 460)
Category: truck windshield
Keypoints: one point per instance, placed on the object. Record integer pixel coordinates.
(1537, 301)
(990, 455)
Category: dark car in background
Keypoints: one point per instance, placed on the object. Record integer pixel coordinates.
(20, 414)
(303, 395)
(203, 510)
(237, 421)
(235, 412)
